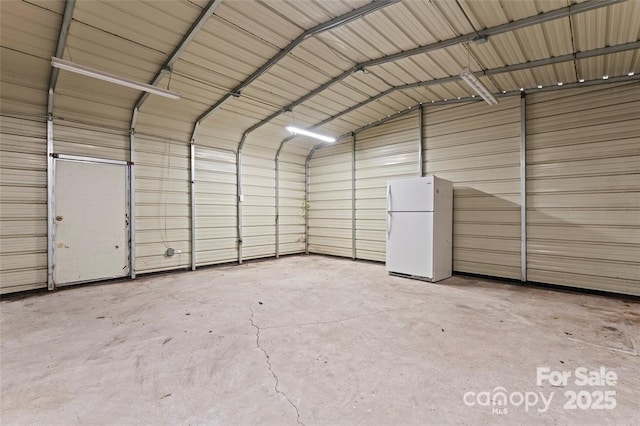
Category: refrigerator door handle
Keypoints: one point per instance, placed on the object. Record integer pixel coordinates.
(388, 224)
(388, 197)
(388, 211)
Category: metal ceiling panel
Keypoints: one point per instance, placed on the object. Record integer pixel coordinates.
(157, 25)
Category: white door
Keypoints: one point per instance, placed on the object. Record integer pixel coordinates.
(91, 223)
(410, 243)
(410, 195)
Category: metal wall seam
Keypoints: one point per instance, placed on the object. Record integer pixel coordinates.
(353, 196)
(523, 188)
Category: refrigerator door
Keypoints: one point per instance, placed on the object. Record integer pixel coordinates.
(410, 195)
(409, 243)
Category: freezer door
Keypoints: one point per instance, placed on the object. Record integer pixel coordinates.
(410, 243)
(410, 195)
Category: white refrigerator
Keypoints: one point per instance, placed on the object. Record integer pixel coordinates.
(420, 228)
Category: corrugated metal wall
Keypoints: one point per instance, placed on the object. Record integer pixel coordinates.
(90, 140)
(23, 198)
(259, 205)
(291, 189)
(583, 188)
(478, 148)
(330, 201)
(162, 204)
(215, 205)
(385, 152)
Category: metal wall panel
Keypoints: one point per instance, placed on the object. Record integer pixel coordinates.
(478, 148)
(291, 209)
(259, 205)
(215, 206)
(389, 151)
(583, 188)
(162, 204)
(90, 140)
(330, 225)
(23, 203)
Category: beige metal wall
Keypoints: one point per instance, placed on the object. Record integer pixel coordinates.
(330, 200)
(583, 188)
(215, 206)
(162, 204)
(291, 213)
(23, 203)
(478, 148)
(259, 205)
(386, 152)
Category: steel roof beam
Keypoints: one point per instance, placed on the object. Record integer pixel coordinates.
(588, 83)
(179, 49)
(325, 26)
(62, 43)
(500, 29)
(514, 67)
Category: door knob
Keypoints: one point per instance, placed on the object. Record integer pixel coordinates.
(59, 218)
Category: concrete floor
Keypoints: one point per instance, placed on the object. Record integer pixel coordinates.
(311, 340)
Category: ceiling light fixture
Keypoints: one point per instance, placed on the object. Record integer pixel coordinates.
(477, 86)
(560, 83)
(297, 131)
(111, 78)
(581, 80)
(539, 86)
(631, 74)
(605, 77)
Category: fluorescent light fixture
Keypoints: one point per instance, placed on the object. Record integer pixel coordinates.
(111, 78)
(298, 131)
(477, 86)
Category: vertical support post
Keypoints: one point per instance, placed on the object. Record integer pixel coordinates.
(192, 199)
(277, 188)
(420, 140)
(523, 189)
(307, 200)
(132, 198)
(50, 200)
(353, 195)
(240, 197)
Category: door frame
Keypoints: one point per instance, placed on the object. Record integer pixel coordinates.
(51, 209)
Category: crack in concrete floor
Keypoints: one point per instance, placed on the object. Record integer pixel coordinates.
(275, 376)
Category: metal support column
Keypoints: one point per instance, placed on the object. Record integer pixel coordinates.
(306, 199)
(420, 139)
(240, 195)
(192, 199)
(353, 196)
(277, 190)
(51, 164)
(523, 189)
(132, 200)
(50, 200)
